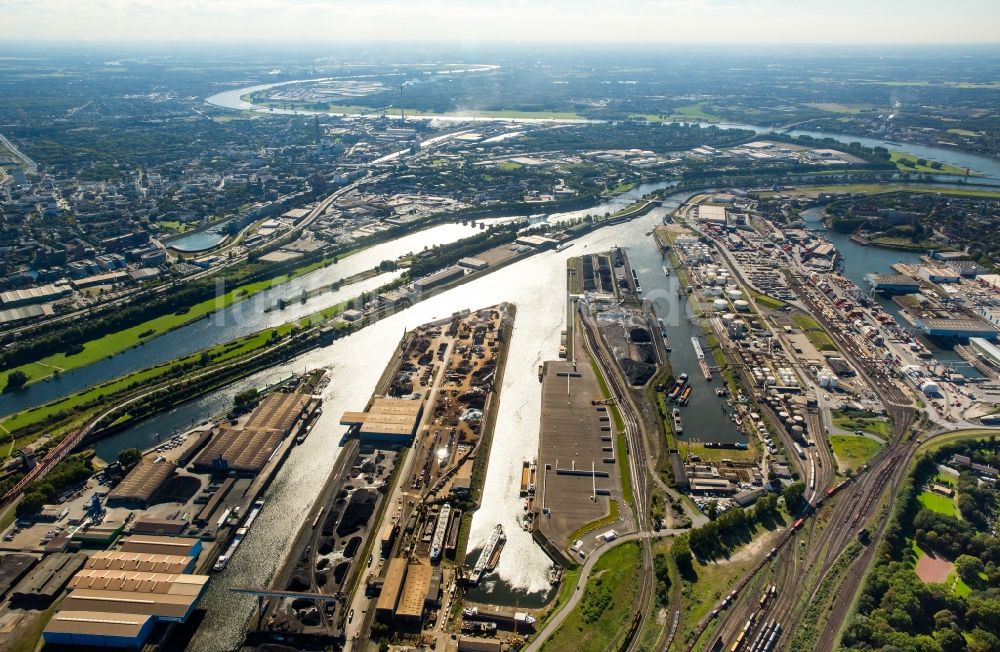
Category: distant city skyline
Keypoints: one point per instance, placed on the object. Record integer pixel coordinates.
(475, 21)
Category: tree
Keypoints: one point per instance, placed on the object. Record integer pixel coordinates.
(969, 568)
(30, 505)
(793, 495)
(682, 556)
(245, 397)
(16, 380)
(129, 457)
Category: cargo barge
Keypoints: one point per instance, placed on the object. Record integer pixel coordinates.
(490, 555)
(528, 478)
(241, 533)
(702, 362)
(678, 387)
(440, 530)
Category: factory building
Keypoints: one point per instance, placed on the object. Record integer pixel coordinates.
(990, 352)
(140, 561)
(40, 294)
(246, 450)
(119, 597)
(162, 545)
(939, 275)
(438, 278)
(98, 629)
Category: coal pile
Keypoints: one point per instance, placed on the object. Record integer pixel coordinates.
(638, 373)
(359, 509)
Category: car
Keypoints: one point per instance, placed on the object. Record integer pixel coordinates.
(350, 616)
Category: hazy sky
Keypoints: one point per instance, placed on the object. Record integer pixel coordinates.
(647, 21)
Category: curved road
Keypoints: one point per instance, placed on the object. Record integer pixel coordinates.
(557, 620)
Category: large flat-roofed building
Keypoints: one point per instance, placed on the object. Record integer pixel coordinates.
(712, 213)
(278, 411)
(394, 575)
(12, 569)
(162, 545)
(388, 419)
(169, 607)
(985, 349)
(415, 589)
(245, 450)
(98, 629)
(165, 526)
(939, 275)
(138, 581)
(893, 283)
(140, 561)
(27, 296)
(438, 278)
(141, 483)
(958, 328)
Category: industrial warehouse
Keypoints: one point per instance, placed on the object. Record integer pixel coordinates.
(109, 607)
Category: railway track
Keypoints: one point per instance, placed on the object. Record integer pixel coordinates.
(636, 455)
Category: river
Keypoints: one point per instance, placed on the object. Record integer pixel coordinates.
(356, 362)
(244, 317)
(986, 166)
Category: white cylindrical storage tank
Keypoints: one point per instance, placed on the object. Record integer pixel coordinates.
(720, 304)
(741, 305)
(734, 294)
(797, 431)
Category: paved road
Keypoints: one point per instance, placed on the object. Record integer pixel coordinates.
(557, 620)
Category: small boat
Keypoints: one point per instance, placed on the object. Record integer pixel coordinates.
(685, 396)
(666, 271)
(564, 245)
(678, 427)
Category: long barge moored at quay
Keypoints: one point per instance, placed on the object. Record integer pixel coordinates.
(702, 362)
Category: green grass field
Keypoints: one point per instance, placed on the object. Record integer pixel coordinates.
(938, 503)
(863, 421)
(767, 301)
(897, 157)
(117, 342)
(604, 609)
(816, 335)
(884, 188)
(854, 451)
